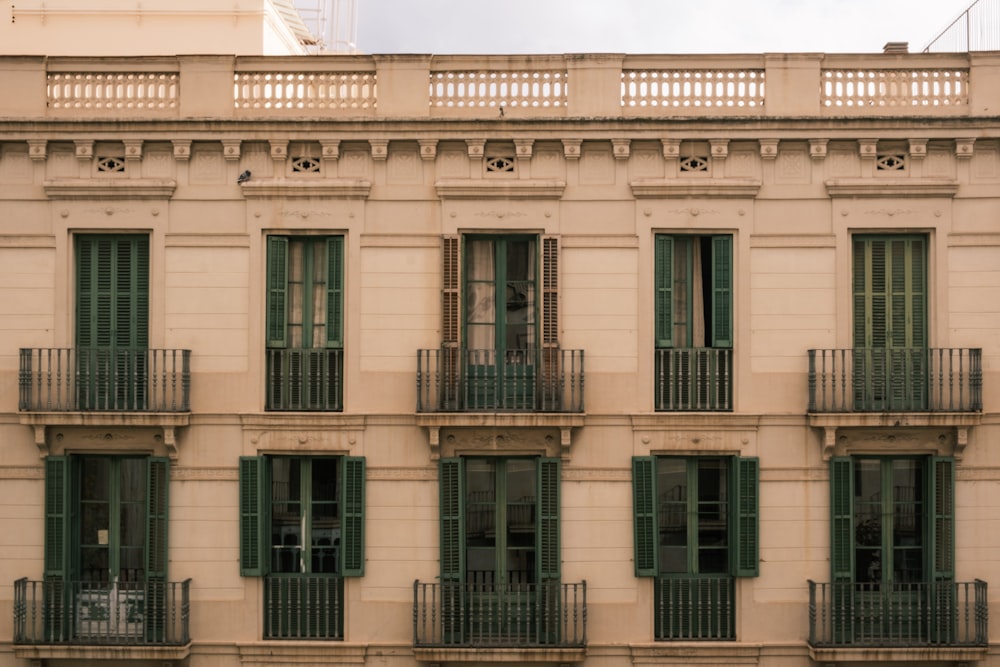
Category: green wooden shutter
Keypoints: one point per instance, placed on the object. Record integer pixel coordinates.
(58, 573)
(157, 504)
(842, 519)
(57, 518)
(335, 291)
(942, 495)
(112, 281)
(663, 296)
(722, 291)
(747, 513)
(452, 502)
(644, 515)
(254, 531)
(549, 557)
(352, 500)
(277, 291)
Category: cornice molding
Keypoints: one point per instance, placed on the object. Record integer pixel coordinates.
(730, 188)
(891, 187)
(326, 188)
(500, 189)
(117, 189)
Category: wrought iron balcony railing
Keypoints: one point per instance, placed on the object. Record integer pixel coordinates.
(695, 607)
(694, 379)
(896, 380)
(119, 379)
(150, 613)
(304, 606)
(931, 614)
(462, 380)
(460, 615)
(305, 379)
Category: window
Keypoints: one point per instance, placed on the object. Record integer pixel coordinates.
(890, 323)
(500, 555)
(500, 340)
(112, 321)
(302, 529)
(893, 547)
(305, 306)
(695, 530)
(693, 311)
(106, 549)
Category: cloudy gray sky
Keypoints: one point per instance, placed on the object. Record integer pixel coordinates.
(649, 26)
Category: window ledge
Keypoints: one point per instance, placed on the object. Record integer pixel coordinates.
(723, 652)
(891, 187)
(111, 188)
(101, 653)
(889, 424)
(487, 654)
(317, 652)
(326, 188)
(500, 189)
(882, 654)
(168, 421)
(743, 188)
(501, 426)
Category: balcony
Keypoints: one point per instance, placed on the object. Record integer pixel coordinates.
(304, 607)
(896, 380)
(462, 380)
(696, 379)
(104, 380)
(544, 622)
(940, 620)
(136, 620)
(303, 380)
(695, 608)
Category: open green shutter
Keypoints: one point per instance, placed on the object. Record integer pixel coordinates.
(86, 291)
(254, 560)
(335, 291)
(352, 500)
(277, 291)
(131, 292)
(663, 290)
(841, 519)
(943, 527)
(452, 499)
(549, 557)
(644, 515)
(722, 291)
(747, 516)
(58, 568)
(157, 503)
(57, 520)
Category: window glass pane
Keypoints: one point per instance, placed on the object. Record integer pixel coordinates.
(325, 523)
(95, 518)
(713, 515)
(480, 521)
(672, 510)
(522, 498)
(868, 520)
(296, 295)
(907, 520)
(317, 287)
(286, 515)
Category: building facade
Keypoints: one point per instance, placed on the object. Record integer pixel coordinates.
(422, 360)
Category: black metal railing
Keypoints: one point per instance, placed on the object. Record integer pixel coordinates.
(551, 615)
(462, 380)
(939, 613)
(694, 379)
(143, 613)
(119, 379)
(305, 379)
(896, 380)
(304, 606)
(695, 607)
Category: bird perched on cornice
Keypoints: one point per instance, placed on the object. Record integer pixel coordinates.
(243, 178)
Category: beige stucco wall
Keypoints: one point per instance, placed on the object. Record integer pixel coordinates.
(792, 292)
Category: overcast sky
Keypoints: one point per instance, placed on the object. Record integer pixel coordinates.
(649, 26)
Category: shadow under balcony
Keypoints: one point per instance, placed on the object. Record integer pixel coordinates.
(107, 386)
(927, 621)
(877, 387)
(543, 622)
(56, 619)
